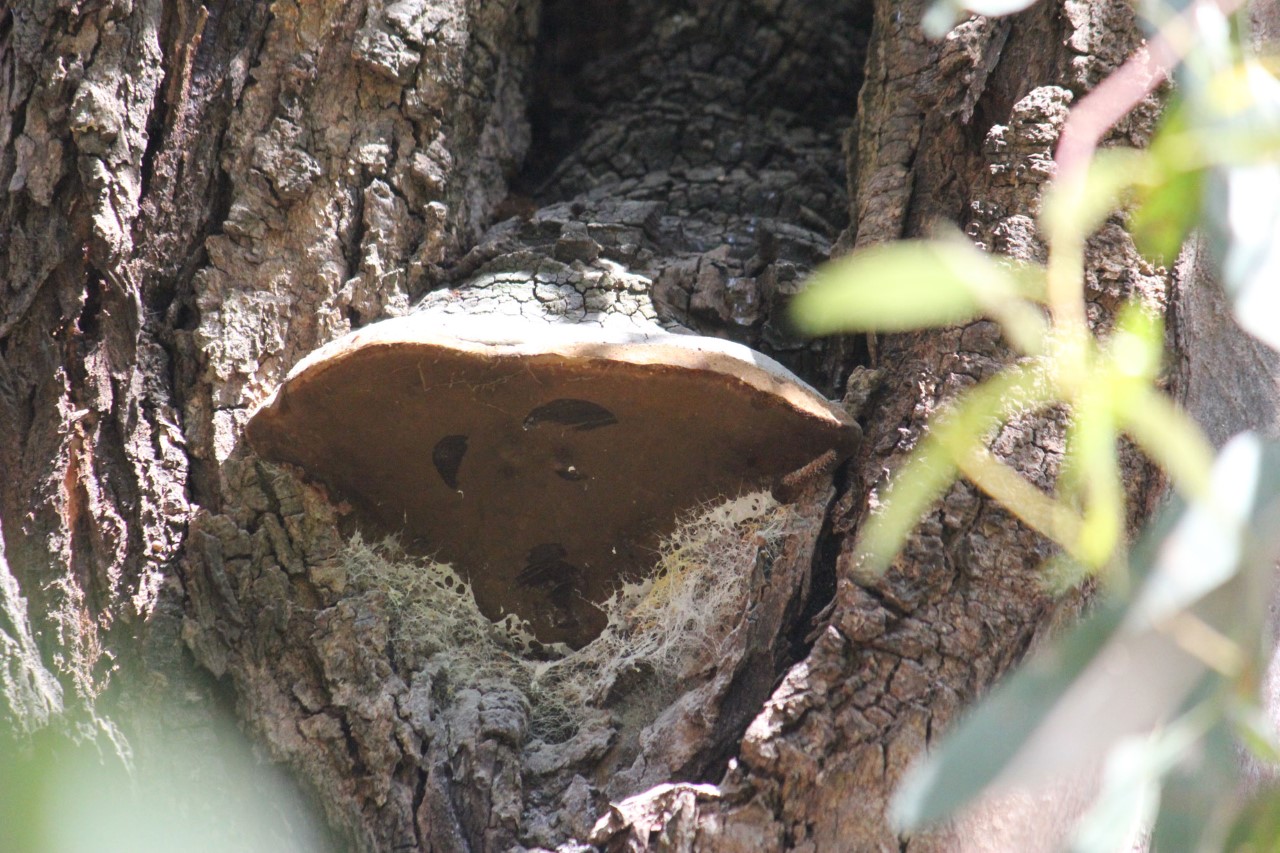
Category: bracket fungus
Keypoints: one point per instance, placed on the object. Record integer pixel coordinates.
(544, 461)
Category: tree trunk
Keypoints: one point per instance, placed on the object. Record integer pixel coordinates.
(200, 195)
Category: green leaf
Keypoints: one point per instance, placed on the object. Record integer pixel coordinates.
(933, 466)
(1083, 206)
(1124, 669)
(1165, 214)
(176, 792)
(922, 480)
(1168, 435)
(1056, 716)
(1204, 550)
(1015, 493)
(992, 736)
(1167, 200)
(1196, 802)
(1115, 675)
(1253, 728)
(1133, 358)
(1060, 574)
(1257, 828)
(1241, 209)
(1136, 347)
(1130, 789)
(1093, 472)
(906, 285)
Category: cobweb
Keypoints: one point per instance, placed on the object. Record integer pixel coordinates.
(670, 625)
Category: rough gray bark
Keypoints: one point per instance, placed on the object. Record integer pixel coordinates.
(961, 131)
(198, 196)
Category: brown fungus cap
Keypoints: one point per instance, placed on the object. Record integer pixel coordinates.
(542, 462)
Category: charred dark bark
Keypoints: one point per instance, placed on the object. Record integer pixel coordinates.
(198, 196)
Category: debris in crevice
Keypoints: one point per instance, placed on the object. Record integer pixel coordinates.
(664, 631)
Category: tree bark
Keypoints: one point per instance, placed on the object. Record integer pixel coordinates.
(199, 195)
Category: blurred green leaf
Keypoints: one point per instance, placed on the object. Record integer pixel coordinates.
(1253, 728)
(1195, 800)
(1081, 207)
(1133, 356)
(909, 285)
(1136, 347)
(1165, 214)
(1186, 632)
(1241, 209)
(1186, 809)
(1093, 473)
(922, 480)
(1126, 668)
(991, 737)
(1130, 789)
(1167, 192)
(932, 467)
(1062, 574)
(1232, 126)
(1024, 324)
(1257, 828)
(1169, 437)
(1016, 494)
(1056, 716)
(1204, 549)
(193, 790)
(1115, 675)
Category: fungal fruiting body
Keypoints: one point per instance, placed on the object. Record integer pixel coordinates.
(544, 463)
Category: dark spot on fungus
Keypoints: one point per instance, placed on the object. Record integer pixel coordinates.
(580, 415)
(447, 457)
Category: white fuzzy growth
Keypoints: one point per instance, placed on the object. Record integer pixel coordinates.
(670, 625)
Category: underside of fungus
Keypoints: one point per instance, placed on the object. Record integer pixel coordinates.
(542, 461)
